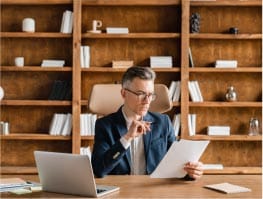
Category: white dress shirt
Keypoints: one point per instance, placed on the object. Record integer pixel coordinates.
(138, 164)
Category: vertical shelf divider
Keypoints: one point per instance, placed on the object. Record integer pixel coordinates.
(76, 78)
(184, 67)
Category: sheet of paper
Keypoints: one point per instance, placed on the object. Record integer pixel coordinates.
(177, 156)
(21, 191)
(228, 188)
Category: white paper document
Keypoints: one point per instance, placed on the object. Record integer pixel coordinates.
(172, 165)
(228, 188)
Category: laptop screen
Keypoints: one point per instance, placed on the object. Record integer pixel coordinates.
(68, 174)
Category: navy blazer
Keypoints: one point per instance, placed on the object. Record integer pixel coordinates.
(110, 157)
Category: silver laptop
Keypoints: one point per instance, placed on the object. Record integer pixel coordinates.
(68, 174)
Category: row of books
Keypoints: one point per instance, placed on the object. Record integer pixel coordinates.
(174, 91)
(176, 122)
(195, 92)
(61, 90)
(67, 22)
(85, 151)
(161, 61)
(85, 56)
(52, 63)
(61, 124)
(87, 124)
(192, 124)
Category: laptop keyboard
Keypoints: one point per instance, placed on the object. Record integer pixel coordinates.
(100, 190)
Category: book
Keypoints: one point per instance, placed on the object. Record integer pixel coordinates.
(85, 151)
(52, 63)
(191, 57)
(61, 90)
(161, 61)
(176, 123)
(177, 92)
(67, 22)
(67, 126)
(226, 63)
(198, 91)
(171, 90)
(53, 124)
(228, 188)
(195, 92)
(117, 30)
(218, 130)
(85, 56)
(122, 64)
(54, 90)
(192, 92)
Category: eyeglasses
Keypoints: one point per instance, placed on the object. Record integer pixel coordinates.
(142, 95)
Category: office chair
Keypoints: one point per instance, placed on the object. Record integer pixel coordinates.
(106, 98)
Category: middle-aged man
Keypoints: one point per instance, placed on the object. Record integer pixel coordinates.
(134, 140)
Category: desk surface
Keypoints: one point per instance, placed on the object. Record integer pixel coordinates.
(146, 187)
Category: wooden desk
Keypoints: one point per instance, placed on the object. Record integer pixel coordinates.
(146, 187)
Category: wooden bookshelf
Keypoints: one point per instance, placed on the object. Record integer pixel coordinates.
(155, 28)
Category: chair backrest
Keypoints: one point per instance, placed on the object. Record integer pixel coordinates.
(106, 98)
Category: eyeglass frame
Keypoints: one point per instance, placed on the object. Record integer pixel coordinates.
(150, 96)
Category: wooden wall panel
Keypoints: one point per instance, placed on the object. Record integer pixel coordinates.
(136, 18)
(138, 50)
(20, 152)
(30, 119)
(248, 53)
(220, 18)
(34, 50)
(236, 118)
(231, 154)
(47, 17)
(38, 85)
(213, 87)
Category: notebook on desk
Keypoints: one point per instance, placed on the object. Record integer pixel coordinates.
(68, 174)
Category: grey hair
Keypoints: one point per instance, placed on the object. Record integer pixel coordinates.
(144, 73)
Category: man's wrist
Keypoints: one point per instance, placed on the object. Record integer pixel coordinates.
(125, 143)
(128, 138)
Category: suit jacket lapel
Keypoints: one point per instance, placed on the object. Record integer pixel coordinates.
(122, 129)
(148, 136)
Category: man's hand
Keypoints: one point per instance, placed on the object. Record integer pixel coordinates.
(137, 128)
(194, 169)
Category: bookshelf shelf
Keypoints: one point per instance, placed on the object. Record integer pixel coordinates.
(131, 3)
(226, 3)
(33, 136)
(132, 36)
(114, 70)
(224, 36)
(33, 2)
(226, 104)
(227, 138)
(87, 137)
(225, 170)
(236, 170)
(35, 103)
(225, 70)
(34, 35)
(36, 68)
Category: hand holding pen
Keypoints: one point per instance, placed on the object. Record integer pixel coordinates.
(138, 128)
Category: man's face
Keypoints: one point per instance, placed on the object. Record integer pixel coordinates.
(138, 96)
